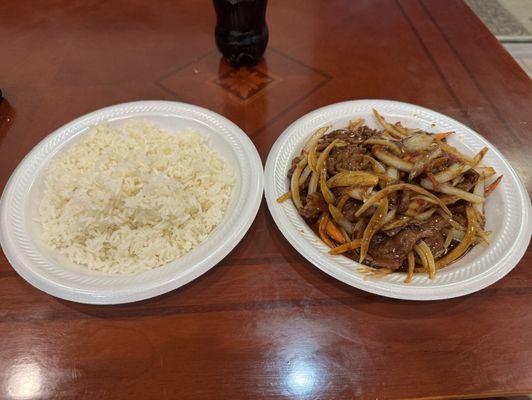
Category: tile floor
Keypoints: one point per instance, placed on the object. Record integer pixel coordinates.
(522, 53)
(511, 22)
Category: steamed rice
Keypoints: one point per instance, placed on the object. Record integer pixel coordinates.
(129, 198)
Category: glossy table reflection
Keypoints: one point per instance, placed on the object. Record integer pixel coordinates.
(264, 323)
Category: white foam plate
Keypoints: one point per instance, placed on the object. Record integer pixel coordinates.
(507, 208)
(48, 271)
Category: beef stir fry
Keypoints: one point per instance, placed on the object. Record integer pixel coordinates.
(395, 199)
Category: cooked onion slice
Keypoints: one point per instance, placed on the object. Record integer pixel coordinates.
(423, 216)
(464, 244)
(448, 189)
(423, 163)
(284, 197)
(372, 227)
(294, 186)
(478, 190)
(411, 266)
(422, 257)
(313, 157)
(353, 178)
(455, 171)
(425, 199)
(422, 247)
(324, 154)
(304, 175)
(451, 221)
(488, 172)
(354, 125)
(455, 153)
(388, 218)
(325, 191)
(394, 148)
(316, 137)
(376, 166)
(451, 172)
(341, 220)
(398, 223)
(342, 200)
(360, 193)
(359, 228)
(393, 161)
(447, 199)
(393, 173)
(313, 183)
(448, 238)
(393, 188)
(419, 142)
(392, 130)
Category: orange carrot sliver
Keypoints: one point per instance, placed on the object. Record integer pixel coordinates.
(442, 135)
(491, 187)
(324, 220)
(334, 232)
(355, 244)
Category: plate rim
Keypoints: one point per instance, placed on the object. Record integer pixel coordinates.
(109, 295)
(424, 293)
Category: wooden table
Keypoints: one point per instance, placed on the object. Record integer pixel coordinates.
(264, 323)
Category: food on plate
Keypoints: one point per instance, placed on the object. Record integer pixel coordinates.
(395, 199)
(131, 197)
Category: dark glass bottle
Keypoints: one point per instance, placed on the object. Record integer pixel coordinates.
(241, 32)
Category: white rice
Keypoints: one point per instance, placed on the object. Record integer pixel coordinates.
(125, 199)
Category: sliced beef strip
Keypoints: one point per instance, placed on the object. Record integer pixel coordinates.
(436, 223)
(347, 136)
(436, 243)
(315, 204)
(395, 231)
(392, 201)
(344, 159)
(391, 252)
(349, 210)
(404, 202)
(436, 240)
(293, 167)
(470, 180)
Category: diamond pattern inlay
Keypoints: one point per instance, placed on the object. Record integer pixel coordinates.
(244, 82)
(249, 96)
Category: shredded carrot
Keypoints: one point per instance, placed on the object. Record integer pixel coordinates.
(442, 135)
(355, 244)
(491, 187)
(324, 219)
(334, 232)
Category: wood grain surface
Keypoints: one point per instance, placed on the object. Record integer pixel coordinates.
(264, 323)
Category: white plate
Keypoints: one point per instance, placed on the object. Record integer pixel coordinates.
(507, 209)
(46, 270)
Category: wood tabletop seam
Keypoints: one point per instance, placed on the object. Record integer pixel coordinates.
(495, 110)
(436, 66)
